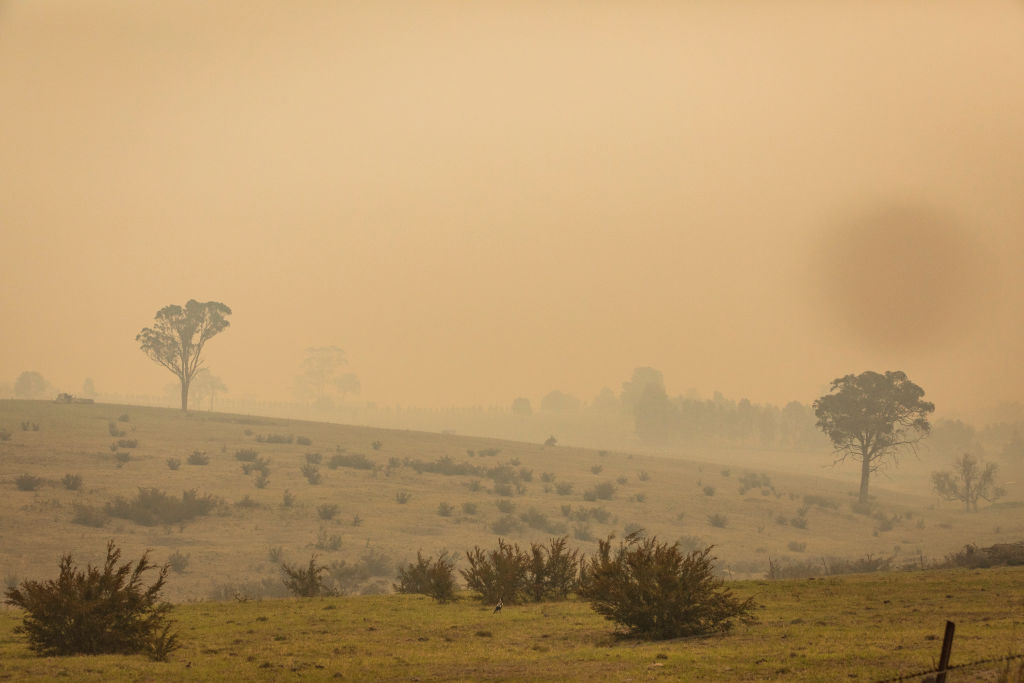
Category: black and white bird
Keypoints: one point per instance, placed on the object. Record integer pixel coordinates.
(497, 608)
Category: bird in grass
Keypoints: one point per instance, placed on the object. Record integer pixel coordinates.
(497, 608)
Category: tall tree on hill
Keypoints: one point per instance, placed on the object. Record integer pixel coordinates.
(870, 417)
(178, 336)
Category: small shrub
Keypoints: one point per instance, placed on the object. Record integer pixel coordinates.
(797, 547)
(127, 443)
(506, 525)
(535, 519)
(376, 445)
(596, 469)
(124, 417)
(178, 562)
(563, 488)
(173, 463)
(261, 480)
(547, 477)
(656, 591)
(622, 480)
(114, 430)
(275, 554)
(357, 520)
(799, 522)
(643, 476)
(306, 582)
(303, 441)
(28, 482)
(581, 532)
(275, 438)
(328, 542)
(445, 509)
(246, 454)
(505, 505)
(88, 515)
(101, 610)
(327, 511)
(603, 491)
(314, 458)
(428, 576)
(709, 490)
(403, 497)
(288, 499)
(551, 441)
(72, 482)
(499, 574)
(469, 508)
(28, 426)
(259, 464)
(718, 520)
(726, 472)
(640, 498)
(122, 458)
(782, 520)
(634, 529)
(504, 488)
(312, 473)
(198, 458)
(690, 543)
(5, 435)
(356, 461)
(488, 452)
(553, 570)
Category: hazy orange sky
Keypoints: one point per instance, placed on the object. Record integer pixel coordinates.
(482, 200)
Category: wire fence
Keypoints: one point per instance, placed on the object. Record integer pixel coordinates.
(953, 667)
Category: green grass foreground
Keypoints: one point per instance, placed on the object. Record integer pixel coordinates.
(865, 627)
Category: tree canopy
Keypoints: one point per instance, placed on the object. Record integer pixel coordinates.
(178, 336)
(870, 417)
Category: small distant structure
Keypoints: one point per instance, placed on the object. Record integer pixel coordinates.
(68, 398)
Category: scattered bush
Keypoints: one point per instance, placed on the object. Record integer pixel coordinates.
(553, 571)
(314, 458)
(72, 482)
(275, 554)
(178, 562)
(376, 445)
(275, 438)
(303, 441)
(173, 463)
(547, 477)
(127, 443)
(258, 464)
(445, 509)
(5, 435)
(114, 430)
(505, 505)
(247, 503)
(198, 458)
(124, 417)
(328, 542)
(27, 426)
(640, 498)
(305, 582)
(997, 555)
(596, 469)
(403, 497)
(356, 461)
(101, 610)
(469, 508)
(312, 473)
(246, 454)
(564, 488)
(428, 576)
(752, 480)
(709, 490)
(797, 547)
(261, 480)
(288, 499)
(643, 475)
(28, 482)
(718, 520)
(88, 515)
(122, 458)
(821, 501)
(499, 574)
(152, 506)
(656, 591)
(536, 519)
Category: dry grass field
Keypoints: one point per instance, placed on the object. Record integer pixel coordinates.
(355, 520)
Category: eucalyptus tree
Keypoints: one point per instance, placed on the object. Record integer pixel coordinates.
(178, 336)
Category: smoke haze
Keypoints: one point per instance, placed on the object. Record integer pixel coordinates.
(479, 201)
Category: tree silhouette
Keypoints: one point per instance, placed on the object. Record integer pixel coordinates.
(178, 336)
(869, 417)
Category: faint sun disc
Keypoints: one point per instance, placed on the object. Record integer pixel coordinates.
(896, 276)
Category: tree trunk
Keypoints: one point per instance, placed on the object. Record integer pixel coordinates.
(184, 396)
(865, 475)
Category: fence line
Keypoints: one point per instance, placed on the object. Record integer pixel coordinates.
(951, 667)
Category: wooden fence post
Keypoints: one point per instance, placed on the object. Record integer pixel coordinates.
(947, 648)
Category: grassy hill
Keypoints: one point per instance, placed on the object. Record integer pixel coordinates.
(382, 496)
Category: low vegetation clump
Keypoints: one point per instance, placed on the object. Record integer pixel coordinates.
(198, 458)
(356, 461)
(306, 582)
(512, 575)
(27, 482)
(246, 454)
(275, 438)
(88, 515)
(830, 566)
(151, 506)
(427, 576)
(657, 591)
(997, 555)
(101, 610)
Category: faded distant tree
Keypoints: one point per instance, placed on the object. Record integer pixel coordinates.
(31, 384)
(321, 377)
(178, 336)
(206, 384)
(969, 481)
(521, 407)
(871, 417)
(88, 388)
(559, 402)
(606, 402)
(634, 389)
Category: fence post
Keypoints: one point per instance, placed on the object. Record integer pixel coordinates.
(947, 648)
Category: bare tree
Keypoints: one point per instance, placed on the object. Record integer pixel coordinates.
(969, 481)
(178, 336)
